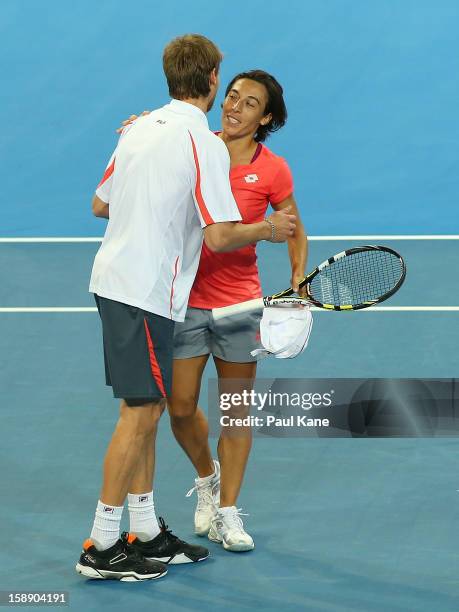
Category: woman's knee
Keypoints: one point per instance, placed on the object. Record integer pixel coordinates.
(182, 407)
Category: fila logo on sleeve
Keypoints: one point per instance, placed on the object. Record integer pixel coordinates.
(251, 178)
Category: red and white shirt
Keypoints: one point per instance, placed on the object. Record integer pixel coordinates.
(227, 278)
(167, 179)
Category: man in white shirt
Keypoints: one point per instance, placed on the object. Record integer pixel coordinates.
(167, 188)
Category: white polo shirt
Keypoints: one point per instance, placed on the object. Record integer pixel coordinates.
(167, 179)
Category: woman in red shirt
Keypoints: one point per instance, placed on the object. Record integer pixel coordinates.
(253, 108)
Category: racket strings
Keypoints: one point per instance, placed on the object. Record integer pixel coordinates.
(357, 278)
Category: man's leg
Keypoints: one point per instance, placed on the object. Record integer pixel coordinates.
(105, 555)
(142, 515)
(143, 476)
(128, 449)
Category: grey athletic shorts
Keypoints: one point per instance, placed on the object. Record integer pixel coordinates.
(229, 339)
(137, 352)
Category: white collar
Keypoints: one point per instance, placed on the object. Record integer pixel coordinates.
(185, 108)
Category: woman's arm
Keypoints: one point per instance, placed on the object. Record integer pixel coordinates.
(297, 244)
(99, 208)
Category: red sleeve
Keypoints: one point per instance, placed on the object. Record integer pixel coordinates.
(282, 185)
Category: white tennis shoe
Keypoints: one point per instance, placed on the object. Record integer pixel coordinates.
(208, 492)
(228, 529)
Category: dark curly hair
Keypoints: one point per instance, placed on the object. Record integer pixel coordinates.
(275, 105)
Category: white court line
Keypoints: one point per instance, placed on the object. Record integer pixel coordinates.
(388, 237)
(70, 309)
(49, 309)
(45, 239)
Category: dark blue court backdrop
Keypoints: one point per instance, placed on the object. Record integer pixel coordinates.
(372, 90)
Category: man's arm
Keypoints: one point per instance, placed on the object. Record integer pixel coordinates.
(99, 207)
(231, 235)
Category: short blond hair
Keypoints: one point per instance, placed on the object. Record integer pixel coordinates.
(188, 62)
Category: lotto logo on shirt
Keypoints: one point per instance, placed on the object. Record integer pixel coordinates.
(251, 178)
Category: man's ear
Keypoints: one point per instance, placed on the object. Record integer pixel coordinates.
(213, 77)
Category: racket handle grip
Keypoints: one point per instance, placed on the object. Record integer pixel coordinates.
(229, 311)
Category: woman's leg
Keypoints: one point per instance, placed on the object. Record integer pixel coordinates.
(234, 446)
(187, 420)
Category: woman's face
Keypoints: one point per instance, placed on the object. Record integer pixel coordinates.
(244, 108)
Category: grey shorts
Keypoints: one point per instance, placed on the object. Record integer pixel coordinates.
(137, 351)
(229, 339)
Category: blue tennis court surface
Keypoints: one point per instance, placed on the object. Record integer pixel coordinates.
(340, 525)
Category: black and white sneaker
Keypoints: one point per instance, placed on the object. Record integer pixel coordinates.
(167, 547)
(122, 561)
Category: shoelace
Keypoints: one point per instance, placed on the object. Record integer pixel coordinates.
(165, 529)
(128, 548)
(204, 493)
(233, 520)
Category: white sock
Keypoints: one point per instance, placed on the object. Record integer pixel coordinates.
(142, 517)
(206, 479)
(226, 510)
(106, 529)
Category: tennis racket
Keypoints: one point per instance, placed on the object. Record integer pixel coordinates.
(351, 280)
